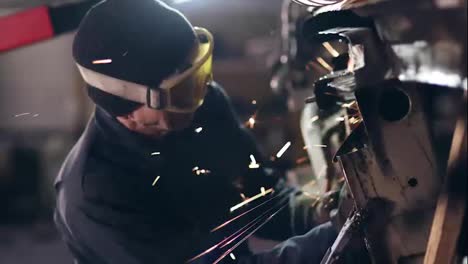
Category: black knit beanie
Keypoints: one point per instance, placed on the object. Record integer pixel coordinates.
(145, 39)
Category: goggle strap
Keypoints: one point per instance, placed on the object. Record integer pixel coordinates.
(154, 98)
(125, 89)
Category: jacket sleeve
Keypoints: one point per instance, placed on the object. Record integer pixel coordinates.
(242, 145)
(92, 241)
(306, 249)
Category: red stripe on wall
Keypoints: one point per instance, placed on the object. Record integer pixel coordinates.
(24, 28)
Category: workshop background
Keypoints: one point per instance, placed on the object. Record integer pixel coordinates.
(43, 108)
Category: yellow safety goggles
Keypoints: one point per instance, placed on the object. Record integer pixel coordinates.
(183, 92)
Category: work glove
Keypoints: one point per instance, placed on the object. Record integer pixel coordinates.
(308, 211)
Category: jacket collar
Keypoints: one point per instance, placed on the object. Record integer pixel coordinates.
(117, 133)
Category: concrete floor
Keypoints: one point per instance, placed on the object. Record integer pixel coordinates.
(32, 244)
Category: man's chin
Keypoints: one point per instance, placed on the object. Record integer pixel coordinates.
(158, 133)
(155, 133)
(180, 127)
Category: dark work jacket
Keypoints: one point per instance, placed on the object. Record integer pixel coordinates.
(111, 210)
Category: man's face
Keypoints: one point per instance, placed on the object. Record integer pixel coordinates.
(155, 123)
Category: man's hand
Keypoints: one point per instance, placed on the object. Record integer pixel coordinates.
(310, 210)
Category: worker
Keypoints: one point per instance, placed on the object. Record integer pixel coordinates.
(164, 157)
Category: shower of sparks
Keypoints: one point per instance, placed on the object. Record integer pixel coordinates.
(232, 256)
(155, 153)
(243, 196)
(199, 129)
(156, 180)
(254, 166)
(354, 120)
(203, 253)
(252, 159)
(283, 149)
(249, 211)
(348, 105)
(316, 197)
(202, 171)
(330, 49)
(249, 229)
(241, 232)
(104, 61)
(255, 227)
(22, 114)
(315, 118)
(253, 163)
(199, 171)
(253, 198)
(320, 146)
(251, 122)
(324, 64)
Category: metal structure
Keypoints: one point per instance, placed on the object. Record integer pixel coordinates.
(407, 64)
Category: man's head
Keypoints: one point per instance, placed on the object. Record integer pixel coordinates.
(125, 47)
(152, 122)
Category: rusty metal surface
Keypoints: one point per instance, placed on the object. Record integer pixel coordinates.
(398, 164)
(400, 51)
(399, 167)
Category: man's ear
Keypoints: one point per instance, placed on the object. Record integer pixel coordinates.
(128, 121)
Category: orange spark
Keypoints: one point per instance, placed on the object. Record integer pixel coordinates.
(156, 180)
(104, 61)
(253, 198)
